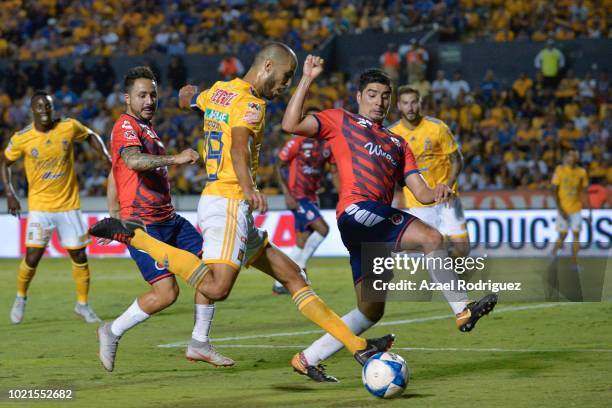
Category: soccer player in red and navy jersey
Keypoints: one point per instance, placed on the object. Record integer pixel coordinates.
(138, 187)
(371, 160)
(301, 165)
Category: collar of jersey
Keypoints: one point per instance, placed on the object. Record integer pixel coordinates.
(242, 85)
(138, 120)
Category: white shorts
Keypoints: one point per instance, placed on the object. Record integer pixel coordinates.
(229, 232)
(575, 221)
(69, 224)
(448, 218)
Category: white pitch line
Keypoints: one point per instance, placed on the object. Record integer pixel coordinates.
(387, 323)
(443, 349)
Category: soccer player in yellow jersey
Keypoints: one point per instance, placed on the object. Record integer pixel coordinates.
(234, 114)
(440, 162)
(570, 184)
(53, 196)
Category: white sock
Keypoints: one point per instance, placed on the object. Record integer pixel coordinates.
(203, 320)
(457, 299)
(326, 346)
(130, 318)
(311, 245)
(296, 255)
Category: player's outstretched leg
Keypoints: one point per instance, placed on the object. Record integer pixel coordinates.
(278, 265)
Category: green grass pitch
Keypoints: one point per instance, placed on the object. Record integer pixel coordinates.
(523, 355)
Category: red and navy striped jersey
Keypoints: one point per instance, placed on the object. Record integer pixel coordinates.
(141, 194)
(370, 159)
(306, 158)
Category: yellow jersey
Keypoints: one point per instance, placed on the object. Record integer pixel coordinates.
(49, 164)
(227, 105)
(431, 142)
(572, 181)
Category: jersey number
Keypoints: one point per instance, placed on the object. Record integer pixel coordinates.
(214, 150)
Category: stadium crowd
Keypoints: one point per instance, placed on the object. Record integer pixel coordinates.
(55, 28)
(511, 134)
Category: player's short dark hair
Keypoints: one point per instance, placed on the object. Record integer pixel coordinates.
(135, 73)
(40, 92)
(373, 76)
(405, 89)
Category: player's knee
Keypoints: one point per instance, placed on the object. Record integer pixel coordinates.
(432, 240)
(218, 294)
(167, 297)
(79, 256)
(324, 229)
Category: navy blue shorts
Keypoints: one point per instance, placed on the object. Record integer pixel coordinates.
(306, 213)
(177, 232)
(370, 221)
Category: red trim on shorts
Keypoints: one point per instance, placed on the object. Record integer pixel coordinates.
(160, 277)
(401, 234)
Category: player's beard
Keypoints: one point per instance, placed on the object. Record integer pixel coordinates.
(267, 90)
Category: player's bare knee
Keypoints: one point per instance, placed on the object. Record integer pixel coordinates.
(432, 240)
(78, 256)
(33, 255)
(167, 295)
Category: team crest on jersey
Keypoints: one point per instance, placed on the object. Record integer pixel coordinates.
(428, 144)
(326, 153)
(223, 97)
(396, 219)
(34, 152)
(130, 135)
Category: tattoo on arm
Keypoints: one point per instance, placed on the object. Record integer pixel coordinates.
(138, 161)
(456, 164)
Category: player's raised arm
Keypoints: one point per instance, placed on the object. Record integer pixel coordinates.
(186, 95)
(12, 202)
(241, 161)
(292, 120)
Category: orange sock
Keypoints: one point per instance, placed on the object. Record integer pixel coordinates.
(179, 262)
(314, 309)
(80, 274)
(24, 277)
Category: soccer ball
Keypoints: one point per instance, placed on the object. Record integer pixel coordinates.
(385, 375)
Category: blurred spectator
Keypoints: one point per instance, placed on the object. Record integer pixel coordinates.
(230, 67)
(55, 75)
(105, 76)
(550, 61)
(177, 73)
(416, 61)
(458, 86)
(440, 87)
(78, 77)
(390, 62)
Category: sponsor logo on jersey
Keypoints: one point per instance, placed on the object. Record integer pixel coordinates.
(217, 116)
(53, 176)
(252, 117)
(377, 150)
(363, 122)
(223, 97)
(126, 125)
(309, 215)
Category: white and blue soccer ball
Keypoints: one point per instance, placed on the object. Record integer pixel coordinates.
(385, 375)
